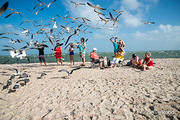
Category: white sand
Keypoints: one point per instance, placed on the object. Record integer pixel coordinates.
(120, 93)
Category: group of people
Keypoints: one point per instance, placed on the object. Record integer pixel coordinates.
(119, 47)
(103, 61)
(136, 62)
(58, 52)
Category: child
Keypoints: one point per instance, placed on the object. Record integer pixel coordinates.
(139, 65)
(71, 54)
(148, 62)
(134, 61)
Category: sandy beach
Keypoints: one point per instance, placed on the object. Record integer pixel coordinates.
(120, 93)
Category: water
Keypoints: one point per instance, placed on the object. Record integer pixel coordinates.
(50, 58)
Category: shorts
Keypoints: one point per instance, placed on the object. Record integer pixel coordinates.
(71, 53)
(82, 55)
(41, 58)
(129, 63)
(96, 61)
(116, 60)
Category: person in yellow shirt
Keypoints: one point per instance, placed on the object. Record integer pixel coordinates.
(119, 57)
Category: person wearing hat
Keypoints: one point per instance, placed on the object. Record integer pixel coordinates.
(94, 56)
(96, 59)
(58, 53)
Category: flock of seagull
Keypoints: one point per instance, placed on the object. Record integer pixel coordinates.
(22, 80)
(53, 31)
(18, 79)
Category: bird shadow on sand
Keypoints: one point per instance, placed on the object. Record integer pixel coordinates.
(65, 77)
(55, 77)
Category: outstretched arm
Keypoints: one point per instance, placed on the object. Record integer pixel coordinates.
(111, 40)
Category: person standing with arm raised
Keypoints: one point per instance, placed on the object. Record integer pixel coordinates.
(41, 54)
(115, 44)
(82, 50)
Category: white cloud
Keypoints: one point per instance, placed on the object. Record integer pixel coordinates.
(134, 11)
(131, 4)
(82, 11)
(165, 28)
(164, 37)
(131, 20)
(10, 28)
(7, 28)
(132, 16)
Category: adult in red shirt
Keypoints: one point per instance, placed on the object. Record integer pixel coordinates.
(94, 56)
(58, 53)
(148, 62)
(96, 59)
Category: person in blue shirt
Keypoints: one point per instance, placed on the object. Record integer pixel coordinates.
(115, 44)
(82, 50)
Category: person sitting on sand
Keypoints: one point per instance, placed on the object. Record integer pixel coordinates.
(71, 53)
(139, 65)
(41, 54)
(118, 58)
(133, 61)
(82, 49)
(115, 44)
(148, 62)
(58, 53)
(96, 59)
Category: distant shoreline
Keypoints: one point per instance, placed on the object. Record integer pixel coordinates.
(100, 52)
(50, 57)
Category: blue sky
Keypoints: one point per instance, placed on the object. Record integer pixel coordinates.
(163, 35)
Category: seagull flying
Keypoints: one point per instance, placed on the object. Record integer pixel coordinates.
(3, 8)
(63, 70)
(95, 7)
(149, 22)
(77, 4)
(118, 12)
(115, 20)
